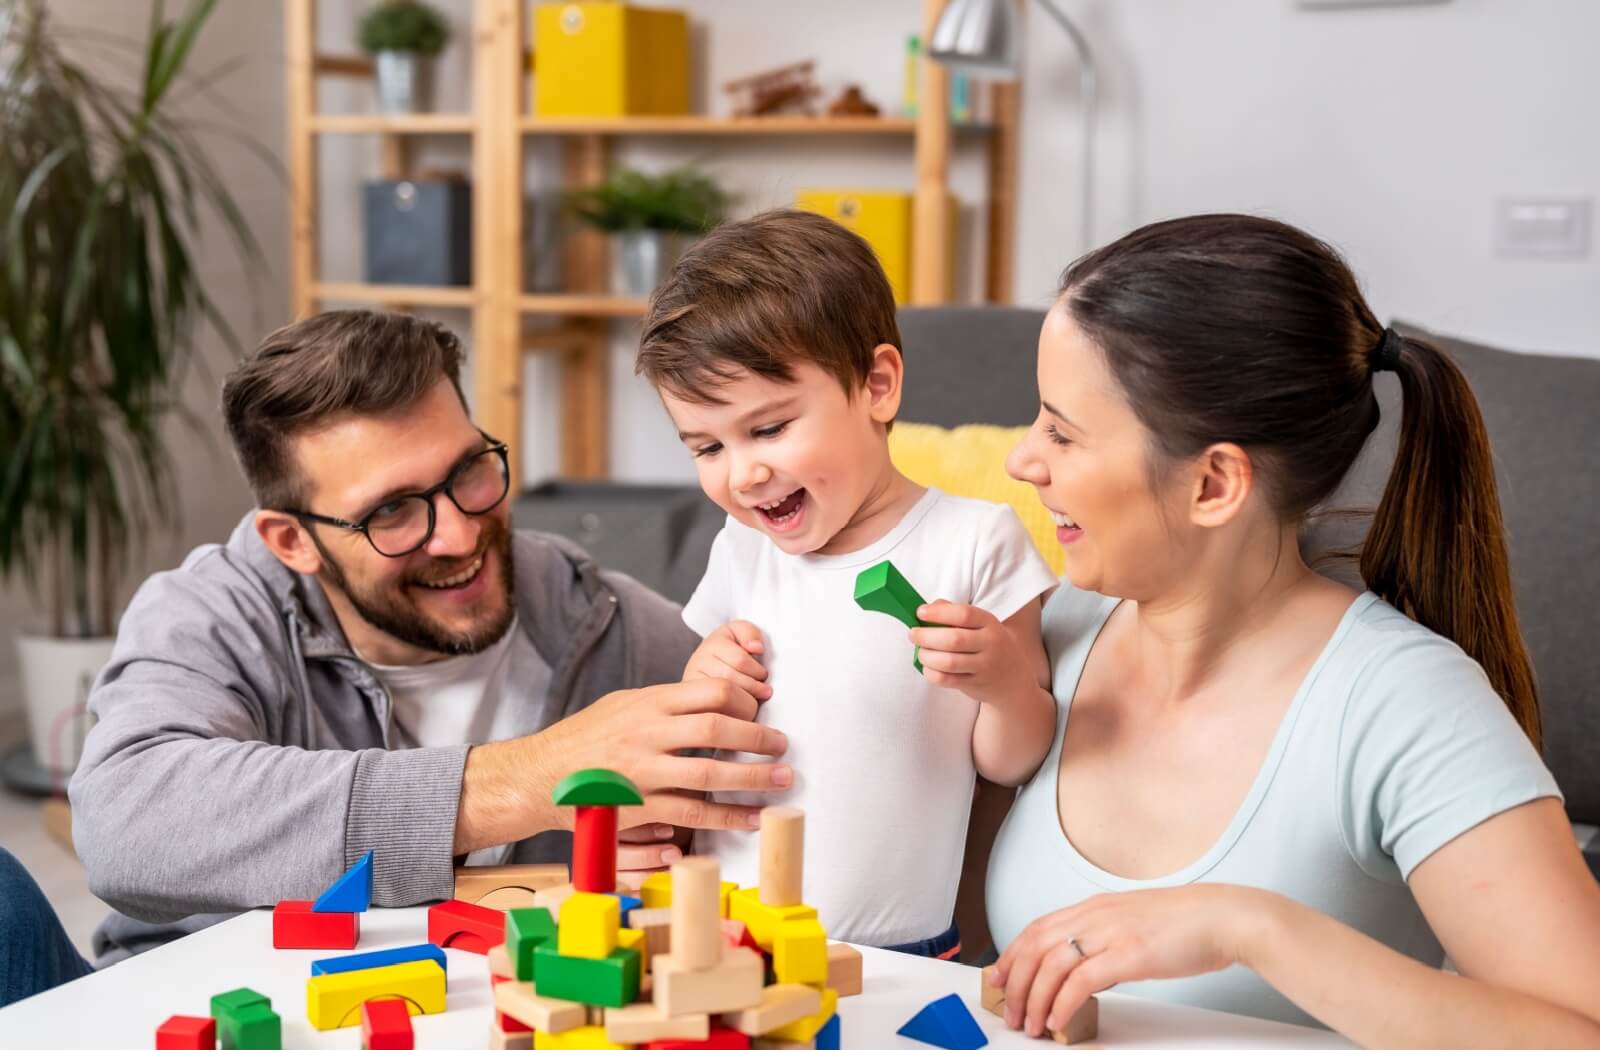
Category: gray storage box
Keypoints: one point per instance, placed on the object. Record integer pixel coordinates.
(419, 232)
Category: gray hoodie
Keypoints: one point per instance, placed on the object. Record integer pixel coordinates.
(241, 754)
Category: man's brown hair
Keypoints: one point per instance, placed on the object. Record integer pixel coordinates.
(343, 362)
(762, 295)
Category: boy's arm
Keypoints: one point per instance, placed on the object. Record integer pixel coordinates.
(1001, 665)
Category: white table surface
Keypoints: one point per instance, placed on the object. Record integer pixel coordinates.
(123, 1005)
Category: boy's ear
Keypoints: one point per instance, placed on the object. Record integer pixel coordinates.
(884, 383)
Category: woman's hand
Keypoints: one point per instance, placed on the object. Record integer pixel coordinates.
(731, 652)
(974, 652)
(1120, 937)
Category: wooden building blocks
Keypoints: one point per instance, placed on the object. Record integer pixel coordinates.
(780, 1004)
(469, 927)
(506, 886)
(350, 892)
(647, 1022)
(1080, 1027)
(805, 1029)
(386, 1025)
(187, 1033)
(518, 1000)
(526, 929)
(296, 925)
(946, 1023)
(844, 969)
(800, 953)
(882, 589)
(334, 1000)
(596, 793)
(612, 981)
(383, 957)
(589, 925)
(716, 1039)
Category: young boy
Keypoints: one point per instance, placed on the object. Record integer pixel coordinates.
(773, 345)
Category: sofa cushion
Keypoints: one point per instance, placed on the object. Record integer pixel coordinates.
(1541, 416)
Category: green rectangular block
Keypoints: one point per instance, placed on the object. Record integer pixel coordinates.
(882, 589)
(526, 929)
(253, 1027)
(236, 1000)
(612, 981)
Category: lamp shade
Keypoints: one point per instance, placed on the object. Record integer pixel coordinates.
(976, 37)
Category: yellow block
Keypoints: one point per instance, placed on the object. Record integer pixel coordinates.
(610, 60)
(800, 952)
(589, 1037)
(656, 891)
(763, 919)
(806, 1029)
(589, 925)
(635, 939)
(334, 1000)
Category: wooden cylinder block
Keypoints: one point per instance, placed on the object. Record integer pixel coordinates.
(783, 842)
(697, 913)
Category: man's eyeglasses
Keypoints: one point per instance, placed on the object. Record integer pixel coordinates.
(405, 523)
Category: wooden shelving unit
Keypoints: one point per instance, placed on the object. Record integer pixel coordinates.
(507, 320)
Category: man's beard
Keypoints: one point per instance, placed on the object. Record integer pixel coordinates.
(391, 610)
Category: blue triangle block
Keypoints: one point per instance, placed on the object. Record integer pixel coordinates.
(946, 1023)
(351, 891)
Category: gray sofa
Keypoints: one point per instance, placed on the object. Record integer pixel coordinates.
(976, 364)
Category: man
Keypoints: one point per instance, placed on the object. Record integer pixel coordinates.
(375, 660)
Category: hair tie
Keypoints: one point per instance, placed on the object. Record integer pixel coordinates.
(1386, 357)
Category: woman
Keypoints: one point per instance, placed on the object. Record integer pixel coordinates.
(1268, 793)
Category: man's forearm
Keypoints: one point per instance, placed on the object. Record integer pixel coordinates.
(505, 794)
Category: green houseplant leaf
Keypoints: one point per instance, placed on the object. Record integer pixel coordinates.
(102, 195)
(683, 200)
(403, 25)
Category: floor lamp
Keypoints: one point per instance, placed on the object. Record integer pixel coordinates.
(979, 38)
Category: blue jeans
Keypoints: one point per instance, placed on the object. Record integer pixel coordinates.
(946, 945)
(35, 953)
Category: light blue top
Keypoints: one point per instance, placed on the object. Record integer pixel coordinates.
(1393, 745)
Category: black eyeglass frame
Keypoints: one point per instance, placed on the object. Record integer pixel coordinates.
(447, 486)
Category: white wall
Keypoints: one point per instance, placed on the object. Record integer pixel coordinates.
(1388, 131)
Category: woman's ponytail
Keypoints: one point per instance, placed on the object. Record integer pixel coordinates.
(1437, 546)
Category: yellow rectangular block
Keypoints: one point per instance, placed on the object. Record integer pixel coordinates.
(589, 925)
(589, 1037)
(607, 59)
(800, 953)
(334, 1000)
(763, 919)
(637, 940)
(806, 1029)
(656, 891)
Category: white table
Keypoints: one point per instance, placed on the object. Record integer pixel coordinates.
(122, 1006)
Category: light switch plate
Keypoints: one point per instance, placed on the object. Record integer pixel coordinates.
(1542, 227)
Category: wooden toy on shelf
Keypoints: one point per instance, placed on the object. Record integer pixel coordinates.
(784, 89)
(852, 103)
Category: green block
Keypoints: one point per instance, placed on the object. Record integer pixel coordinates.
(612, 981)
(596, 787)
(232, 1002)
(526, 929)
(253, 1027)
(882, 589)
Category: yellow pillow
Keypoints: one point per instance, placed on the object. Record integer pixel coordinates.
(971, 461)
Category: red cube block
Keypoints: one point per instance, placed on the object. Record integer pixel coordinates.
(295, 925)
(187, 1033)
(386, 1025)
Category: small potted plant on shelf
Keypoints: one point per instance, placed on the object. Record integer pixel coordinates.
(402, 35)
(646, 217)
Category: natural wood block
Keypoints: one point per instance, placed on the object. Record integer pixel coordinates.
(780, 1004)
(500, 962)
(656, 925)
(1080, 1027)
(696, 913)
(844, 969)
(783, 830)
(507, 886)
(807, 1027)
(733, 984)
(501, 1040)
(768, 1043)
(553, 897)
(518, 1000)
(642, 1022)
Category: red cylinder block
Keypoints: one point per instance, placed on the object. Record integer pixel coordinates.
(594, 850)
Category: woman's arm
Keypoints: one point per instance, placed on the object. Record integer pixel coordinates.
(1511, 901)
(1516, 911)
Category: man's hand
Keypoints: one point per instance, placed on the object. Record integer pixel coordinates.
(732, 652)
(505, 789)
(649, 848)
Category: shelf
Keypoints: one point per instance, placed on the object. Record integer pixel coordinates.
(703, 125)
(392, 124)
(412, 294)
(583, 305)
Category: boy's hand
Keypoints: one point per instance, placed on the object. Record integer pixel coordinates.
(974, 652)
(730, 652)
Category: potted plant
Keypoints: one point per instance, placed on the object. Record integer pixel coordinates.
(102, 194)
(645, 216)
(401, 35)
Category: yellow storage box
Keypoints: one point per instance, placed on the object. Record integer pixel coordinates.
(610, 60)
(883, 219)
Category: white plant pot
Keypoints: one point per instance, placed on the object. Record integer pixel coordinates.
(404, 81)
(640, 260)
(57, 674)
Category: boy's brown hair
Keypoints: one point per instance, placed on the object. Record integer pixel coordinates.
(763, 295)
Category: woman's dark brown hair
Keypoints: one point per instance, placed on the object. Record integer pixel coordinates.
(1231, 328)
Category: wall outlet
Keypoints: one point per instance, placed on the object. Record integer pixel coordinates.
(1542, 227)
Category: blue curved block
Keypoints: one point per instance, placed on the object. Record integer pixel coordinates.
(351, 891)
(383, 957)
(946, 1023)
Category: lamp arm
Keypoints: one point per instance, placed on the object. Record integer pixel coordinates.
(1089, 87)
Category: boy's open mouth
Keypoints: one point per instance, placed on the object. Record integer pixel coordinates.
(784, 512)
